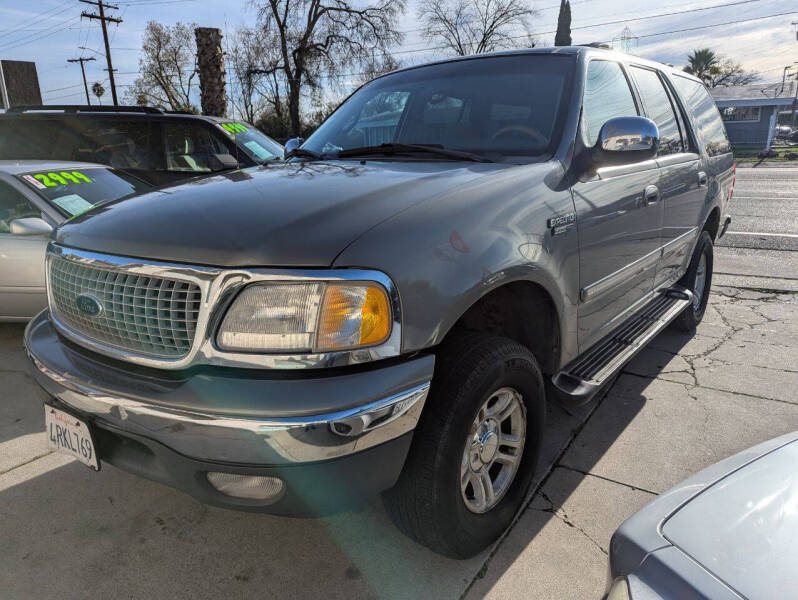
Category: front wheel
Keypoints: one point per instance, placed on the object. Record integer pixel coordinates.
(475, 450)
(698, 279)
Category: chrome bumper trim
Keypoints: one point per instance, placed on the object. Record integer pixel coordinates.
(227, 438)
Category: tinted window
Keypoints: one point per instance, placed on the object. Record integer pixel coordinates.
(498, 107)
(705, 115)
(189, 147)
(607, 95)
(659, 109)
(36, 139)
(74, 191)
(13, 205)
(118, 143)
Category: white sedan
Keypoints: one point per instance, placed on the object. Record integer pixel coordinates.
(35, 197)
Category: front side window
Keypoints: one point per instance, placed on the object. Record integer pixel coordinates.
(189, 147)
(659, 109)
(13, 205)
(498, 107)
(705, 115)
(607, 95)
(74, 191)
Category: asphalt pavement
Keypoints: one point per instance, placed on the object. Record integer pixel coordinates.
(682, 404)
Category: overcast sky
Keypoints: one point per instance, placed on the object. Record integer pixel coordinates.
(50, 31)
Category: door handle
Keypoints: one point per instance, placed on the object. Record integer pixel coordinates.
(651, 195)
(702, 179)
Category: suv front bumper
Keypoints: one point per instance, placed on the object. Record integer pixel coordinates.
(329, 437)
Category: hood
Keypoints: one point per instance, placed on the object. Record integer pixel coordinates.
(744, 528)
(298, 214)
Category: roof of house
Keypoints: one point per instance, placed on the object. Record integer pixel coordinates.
(755, 94)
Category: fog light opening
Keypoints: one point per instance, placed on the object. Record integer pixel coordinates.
(252, 487)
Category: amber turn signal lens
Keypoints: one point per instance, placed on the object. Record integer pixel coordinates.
(352, 316)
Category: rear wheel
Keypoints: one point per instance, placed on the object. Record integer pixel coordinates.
(698, 279)
(475, 450)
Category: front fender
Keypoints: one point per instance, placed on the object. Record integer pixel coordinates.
(447, 252)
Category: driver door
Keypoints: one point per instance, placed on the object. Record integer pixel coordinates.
(619, 215)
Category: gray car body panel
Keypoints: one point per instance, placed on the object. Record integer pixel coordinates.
(646, 533)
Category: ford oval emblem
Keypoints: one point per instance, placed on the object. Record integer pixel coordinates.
(89, 305)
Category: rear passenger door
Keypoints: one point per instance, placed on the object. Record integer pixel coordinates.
(682, 182)
(618, 216)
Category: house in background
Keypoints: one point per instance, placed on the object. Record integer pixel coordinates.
(747, 110)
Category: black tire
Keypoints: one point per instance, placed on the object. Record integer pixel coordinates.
(691, 316)
(427, 503)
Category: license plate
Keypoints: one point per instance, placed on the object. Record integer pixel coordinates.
(69, 435)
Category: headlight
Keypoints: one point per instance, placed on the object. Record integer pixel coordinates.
(306, 317)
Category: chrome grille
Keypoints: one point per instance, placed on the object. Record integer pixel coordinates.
(152, 316)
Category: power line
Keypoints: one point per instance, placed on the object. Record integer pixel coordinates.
(35, 19)
(34, 37)
(626, 21)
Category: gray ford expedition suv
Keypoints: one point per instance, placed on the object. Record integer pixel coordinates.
(390, 310)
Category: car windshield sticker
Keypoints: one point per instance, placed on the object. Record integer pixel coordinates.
(73, 204)
(258, 150)
(54, 179)
(233, 128)
(34, 182)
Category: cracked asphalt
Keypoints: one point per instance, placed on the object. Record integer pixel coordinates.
(684, 403)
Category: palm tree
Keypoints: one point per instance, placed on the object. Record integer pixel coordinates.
(703, 63)
(98, 90)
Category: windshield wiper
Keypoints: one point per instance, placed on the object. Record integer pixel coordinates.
(302, 153)
(394, 148)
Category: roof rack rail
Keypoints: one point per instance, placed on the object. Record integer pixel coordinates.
(78, 108)
(602, 45)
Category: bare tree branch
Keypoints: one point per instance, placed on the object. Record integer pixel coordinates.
(167, 67)
(476, 26)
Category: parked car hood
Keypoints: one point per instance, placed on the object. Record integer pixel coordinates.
(298, 214)
(744, 528)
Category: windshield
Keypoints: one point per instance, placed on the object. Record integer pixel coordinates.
(258, 146)
(498, 107)
(74, 191)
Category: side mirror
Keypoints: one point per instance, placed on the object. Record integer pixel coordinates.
(29, 226)
(625, 140)
(292, 144)
(222, 162)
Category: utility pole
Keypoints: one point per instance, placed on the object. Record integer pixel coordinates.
(103, 20)
(82, 60)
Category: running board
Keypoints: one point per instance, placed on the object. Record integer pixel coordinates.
(583, 377)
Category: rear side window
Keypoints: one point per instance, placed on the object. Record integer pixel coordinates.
(189, 147)
(705, 115)
(659, 109)
(36, 139)
(607, 95)
(13, 205)
(118, 143)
